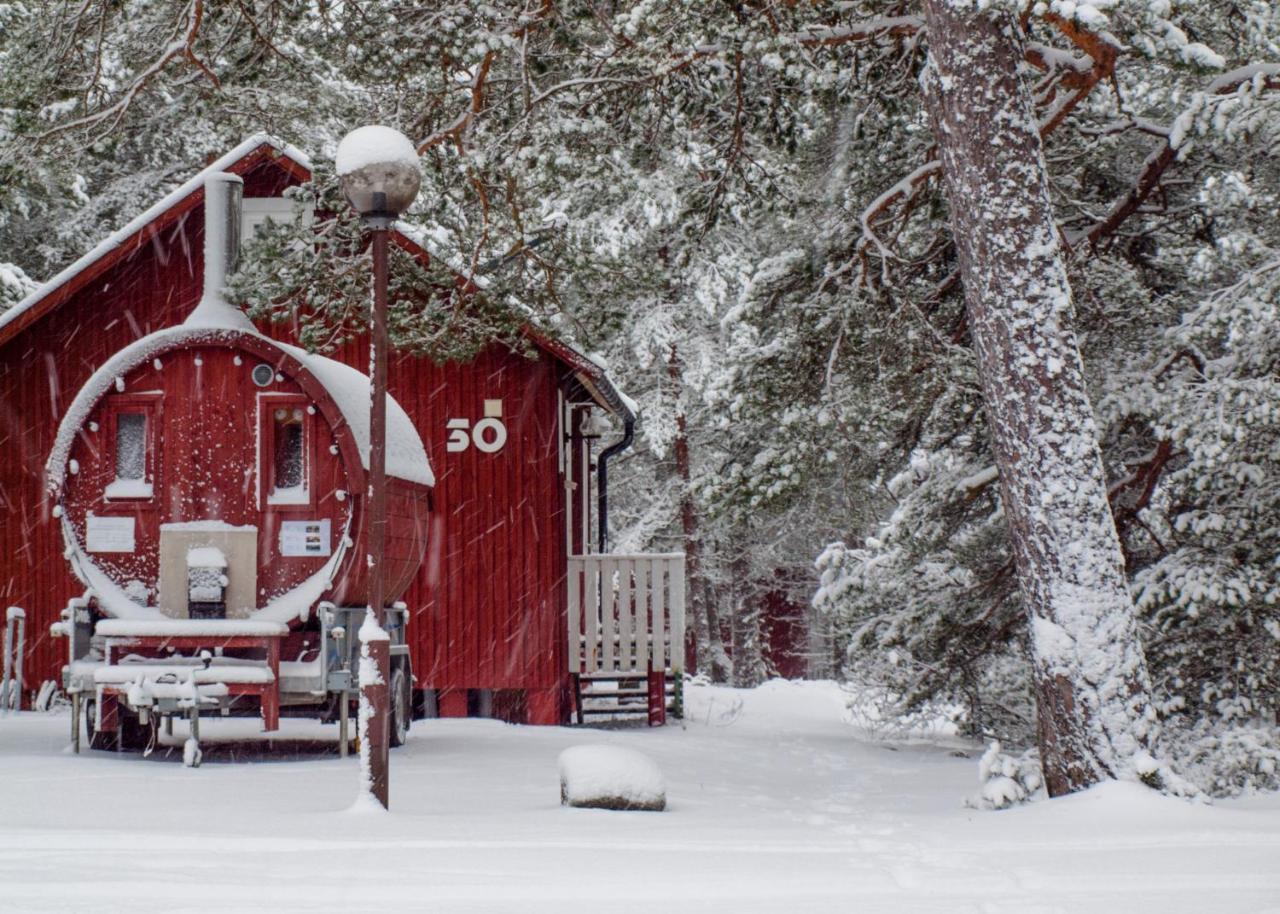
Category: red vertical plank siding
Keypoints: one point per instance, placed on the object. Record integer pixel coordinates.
(492, 615)
(514, 580)
(492, 528)
(487, 604)
(41, 370)
(459, 493)
(491, 622)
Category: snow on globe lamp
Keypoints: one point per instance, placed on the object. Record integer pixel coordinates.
(378, 170)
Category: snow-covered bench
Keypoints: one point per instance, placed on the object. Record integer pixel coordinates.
(188, 685)
(195, 628)
(203, 680)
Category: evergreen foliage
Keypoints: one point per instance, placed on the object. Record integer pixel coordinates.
(315, 274)
(738, 207)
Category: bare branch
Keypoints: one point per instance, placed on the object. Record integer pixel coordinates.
(462, 123)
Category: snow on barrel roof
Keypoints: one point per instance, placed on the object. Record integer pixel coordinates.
(350, 390)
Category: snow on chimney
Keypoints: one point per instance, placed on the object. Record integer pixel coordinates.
(223, 193)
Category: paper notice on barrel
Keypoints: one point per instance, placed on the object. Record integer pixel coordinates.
(109, 534)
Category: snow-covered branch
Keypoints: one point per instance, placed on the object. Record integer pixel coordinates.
(1254, 79)
(181, 45)
(866, 30)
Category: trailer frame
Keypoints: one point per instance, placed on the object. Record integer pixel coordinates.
(121, 699)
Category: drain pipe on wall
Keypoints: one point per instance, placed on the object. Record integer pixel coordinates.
(602, 477)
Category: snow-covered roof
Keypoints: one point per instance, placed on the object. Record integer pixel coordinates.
(434, 245)
(149, 215)
(349, 389)
(593, 376)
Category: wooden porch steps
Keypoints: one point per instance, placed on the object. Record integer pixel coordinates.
(626, 635)
(620, 695)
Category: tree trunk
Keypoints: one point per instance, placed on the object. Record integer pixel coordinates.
(748, 660)
(721, 664)
(706, 627)
(1095, 719)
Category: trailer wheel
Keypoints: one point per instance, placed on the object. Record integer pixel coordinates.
(132, 736)
(401, 705)
(103, 741)
(135, 736)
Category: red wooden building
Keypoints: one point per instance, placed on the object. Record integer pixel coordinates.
(167, 463)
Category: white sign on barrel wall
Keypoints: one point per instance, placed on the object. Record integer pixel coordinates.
(304, 537)
(109, 534)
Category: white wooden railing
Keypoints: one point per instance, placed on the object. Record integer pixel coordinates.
(626, 613)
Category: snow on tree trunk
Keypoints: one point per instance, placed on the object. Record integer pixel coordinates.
(709, 649)
(1094, 715)
(748, 658)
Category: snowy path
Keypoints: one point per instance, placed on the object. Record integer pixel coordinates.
(775, 806)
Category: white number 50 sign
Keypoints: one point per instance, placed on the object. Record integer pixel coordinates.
(488, 435)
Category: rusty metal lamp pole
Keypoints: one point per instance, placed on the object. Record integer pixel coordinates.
(379, 173)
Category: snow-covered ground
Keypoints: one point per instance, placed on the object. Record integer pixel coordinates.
(775, 804)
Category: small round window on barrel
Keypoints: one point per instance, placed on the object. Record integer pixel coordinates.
(263, 375)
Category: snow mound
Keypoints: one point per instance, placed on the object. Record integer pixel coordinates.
(1007, 780)
(607, 777)
(373, 145)
(817, 702)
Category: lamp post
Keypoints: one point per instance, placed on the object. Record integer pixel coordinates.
(378, 170)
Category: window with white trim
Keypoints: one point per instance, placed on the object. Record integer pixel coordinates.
(131, 434)
(288, 459)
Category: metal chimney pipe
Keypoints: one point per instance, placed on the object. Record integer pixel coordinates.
(223, 193)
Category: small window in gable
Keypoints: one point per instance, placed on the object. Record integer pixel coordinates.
(256, 212)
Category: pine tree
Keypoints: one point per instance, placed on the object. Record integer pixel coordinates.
(1092, 693)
